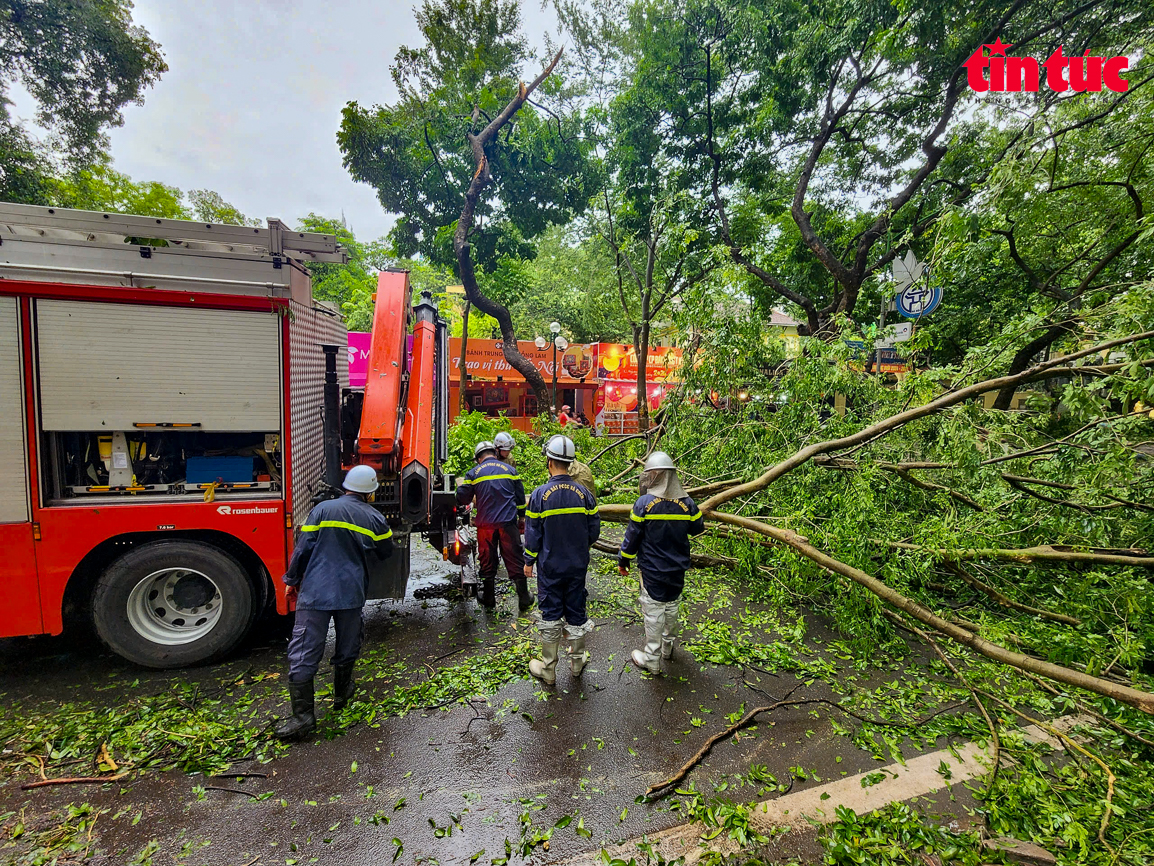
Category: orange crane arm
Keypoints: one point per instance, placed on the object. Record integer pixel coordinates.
(382, 415)
(417, 453)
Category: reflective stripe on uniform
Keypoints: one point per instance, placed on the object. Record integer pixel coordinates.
(481, 478)
(352, 527)
(663, 517)
(628, 555)
(552, 511)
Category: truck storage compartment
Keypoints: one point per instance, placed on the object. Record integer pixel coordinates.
(169, 462)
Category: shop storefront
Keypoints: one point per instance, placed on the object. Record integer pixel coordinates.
(597, 380)
(495, 388)
(618, 399)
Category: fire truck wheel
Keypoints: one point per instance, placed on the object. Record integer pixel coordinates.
(170, 604)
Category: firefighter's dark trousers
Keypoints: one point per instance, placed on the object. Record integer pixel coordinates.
(562, 597)
(311, 630)
(494, 543)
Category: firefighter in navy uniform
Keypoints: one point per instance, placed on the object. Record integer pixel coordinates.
(660, 526)
(327, 576)
(500, 497)
(562, 525)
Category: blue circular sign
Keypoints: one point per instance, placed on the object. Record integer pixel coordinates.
(919, 300)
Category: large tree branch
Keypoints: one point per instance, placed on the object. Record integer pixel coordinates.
(1043, 553)
(1143, 701)
(461, 247)
(1049, 369)
(833, 116)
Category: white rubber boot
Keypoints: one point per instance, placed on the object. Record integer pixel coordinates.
(577, 655)
(653, 614)
(545, 668)
(669, 633)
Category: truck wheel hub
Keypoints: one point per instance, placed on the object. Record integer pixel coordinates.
(174, 606)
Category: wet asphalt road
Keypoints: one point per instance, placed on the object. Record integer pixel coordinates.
(587, 750)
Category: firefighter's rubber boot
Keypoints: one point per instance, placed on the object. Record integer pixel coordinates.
(545, 668)
(344, 687)
(525, 598)
(578, 656)
(488, 596)
(303, 720)
(669, 632)
(649, 658)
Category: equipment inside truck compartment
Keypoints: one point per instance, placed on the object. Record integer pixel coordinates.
(177, 462)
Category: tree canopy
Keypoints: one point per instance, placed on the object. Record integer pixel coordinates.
(82, 61)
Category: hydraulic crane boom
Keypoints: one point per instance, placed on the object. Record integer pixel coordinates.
(402, 416)
(383, 411)
(398, 425)
(417, 445)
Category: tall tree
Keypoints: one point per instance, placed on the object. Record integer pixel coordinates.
(82, 61)
(807, 124)
(471, 164)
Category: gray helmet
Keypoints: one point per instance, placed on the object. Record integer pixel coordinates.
(361, 479)
(504, 441)
(482, 447)
(659, 460)
(561, 449)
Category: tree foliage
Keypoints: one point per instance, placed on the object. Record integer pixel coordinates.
(472, 171)
(82, 61)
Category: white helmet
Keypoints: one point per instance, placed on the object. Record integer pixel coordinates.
(504, 441)
(659, 460)
(561, 449)
(361, 479)
(482, 447)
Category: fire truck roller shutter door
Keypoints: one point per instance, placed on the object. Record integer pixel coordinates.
(20, 610)
(13, 477)
(107, 366)
(170, 604)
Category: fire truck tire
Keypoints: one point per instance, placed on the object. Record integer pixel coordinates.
(172, 604)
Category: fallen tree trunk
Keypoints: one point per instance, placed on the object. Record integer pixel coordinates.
(1143, 701)
(1041, 553)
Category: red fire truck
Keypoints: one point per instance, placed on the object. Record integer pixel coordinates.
(170, 408)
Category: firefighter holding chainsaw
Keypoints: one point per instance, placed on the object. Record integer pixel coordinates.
(500, 497)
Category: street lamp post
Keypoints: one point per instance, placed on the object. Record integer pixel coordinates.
(558, 342)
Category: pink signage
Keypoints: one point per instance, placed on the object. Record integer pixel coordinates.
(358, 358)
(359, 343)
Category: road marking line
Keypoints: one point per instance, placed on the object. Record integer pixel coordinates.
(916, 778)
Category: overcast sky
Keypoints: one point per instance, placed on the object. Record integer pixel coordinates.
(252, 100)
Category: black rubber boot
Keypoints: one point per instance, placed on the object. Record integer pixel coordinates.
(488, 597)
(343, 685)
(525, 598)
(303, 719)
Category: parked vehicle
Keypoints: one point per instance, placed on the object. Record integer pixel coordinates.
(171, 407)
